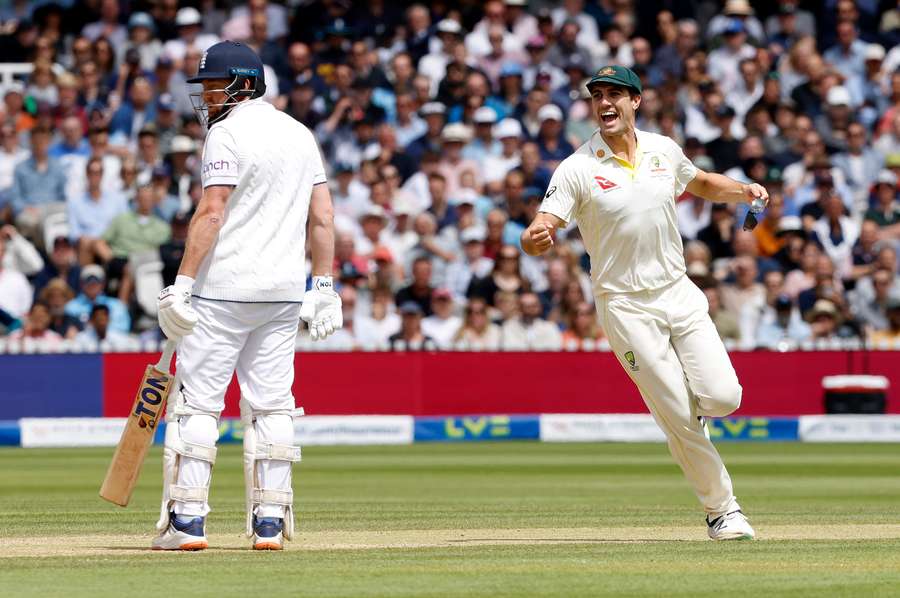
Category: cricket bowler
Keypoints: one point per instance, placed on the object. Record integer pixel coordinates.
(238, 299)
(621, 188)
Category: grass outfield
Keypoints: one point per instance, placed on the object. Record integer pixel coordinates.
(505, 519)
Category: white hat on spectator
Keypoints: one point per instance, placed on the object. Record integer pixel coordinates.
(886, 177)
(182, 144)
(838, 96)
(508, 127)
(432, 108)
(14, 87)
(516, 2)
(472, 234)
(738, 7)
(465, 196)
(456, 132)
(550, 112)
(402, 206)
(371, 152)
(485, 116)
(874, 52)
(187, 16)
(790, 224)
(92, 271)
(449, 26)
(374, 211)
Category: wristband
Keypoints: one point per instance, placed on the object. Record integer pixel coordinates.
(323, 283)
(184, 281)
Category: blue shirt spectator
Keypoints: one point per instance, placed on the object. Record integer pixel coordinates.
(40, 179)
(92, 280)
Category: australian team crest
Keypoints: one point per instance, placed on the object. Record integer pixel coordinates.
(606, 71)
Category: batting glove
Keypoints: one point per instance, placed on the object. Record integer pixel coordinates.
(177, 317)
(321, 308)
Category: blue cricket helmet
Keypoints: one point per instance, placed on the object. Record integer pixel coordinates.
(236, 62)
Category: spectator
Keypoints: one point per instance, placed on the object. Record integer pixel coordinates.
(90, 215)
(552, 144)
(420, 290)
(473, 265)
(837, 234)
(581, 329)
(871, 310)
(35, 334)
(442, 324)
(890, 335)
(860, 165)
(55, 295)
(410, 337)
(885, 212)
(504, 277)
(725, 319)
(190, 36)
(134, 114)
(477, 332)
(92, 282)
(38, 187)
(724, 62)
(826, 322)
(98, 336)
(530, 332)
(781, 326)
(375, 330)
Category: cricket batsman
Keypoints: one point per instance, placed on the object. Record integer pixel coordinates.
(238, 299)
(621, 187)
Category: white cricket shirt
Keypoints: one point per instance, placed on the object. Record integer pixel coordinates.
(273, 162)
(626, 214)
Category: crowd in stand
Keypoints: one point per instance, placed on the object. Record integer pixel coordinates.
(440, 126)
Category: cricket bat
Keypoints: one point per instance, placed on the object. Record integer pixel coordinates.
(149, 406)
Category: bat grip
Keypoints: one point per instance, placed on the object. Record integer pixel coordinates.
(166, 359)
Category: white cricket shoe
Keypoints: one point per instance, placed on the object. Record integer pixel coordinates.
(267, 533)
(732, 526)
(182, 536)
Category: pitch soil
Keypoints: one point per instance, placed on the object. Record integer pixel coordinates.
(102, 545)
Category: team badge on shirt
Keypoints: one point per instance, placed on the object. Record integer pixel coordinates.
(656, 166)
(629, 357)
(605, 183)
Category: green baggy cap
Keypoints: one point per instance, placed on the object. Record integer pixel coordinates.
(617, 75)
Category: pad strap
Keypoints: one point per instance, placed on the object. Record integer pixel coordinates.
(273, 497)
(188, 493)
(194, 450)
(278, 452)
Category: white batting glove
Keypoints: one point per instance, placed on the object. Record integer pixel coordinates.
(177, 317)
(321, 308)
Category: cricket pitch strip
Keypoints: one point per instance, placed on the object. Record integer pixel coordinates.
(100, 545)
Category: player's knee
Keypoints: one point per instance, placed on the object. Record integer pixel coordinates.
(200, 428)
(724, 398)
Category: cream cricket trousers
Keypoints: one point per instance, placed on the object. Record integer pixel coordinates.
(256, 340)
(669, 346)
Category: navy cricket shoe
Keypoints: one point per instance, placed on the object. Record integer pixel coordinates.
(182, 533)
(267, 533)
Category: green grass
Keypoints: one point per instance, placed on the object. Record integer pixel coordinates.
(50, 494)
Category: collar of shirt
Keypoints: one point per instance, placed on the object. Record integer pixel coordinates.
(602, 151)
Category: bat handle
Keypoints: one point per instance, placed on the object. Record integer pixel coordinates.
(166, 359)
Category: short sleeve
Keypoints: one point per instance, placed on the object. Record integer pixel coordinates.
(220, 159)
(684, 169)
(561, 197)
(316, 164)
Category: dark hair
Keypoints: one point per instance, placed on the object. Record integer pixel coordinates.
(99, 307)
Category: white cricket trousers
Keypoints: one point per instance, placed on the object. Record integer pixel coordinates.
(257, 341)
(669, 346)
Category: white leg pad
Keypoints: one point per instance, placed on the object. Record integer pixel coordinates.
(268, 456)
(188, 456)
